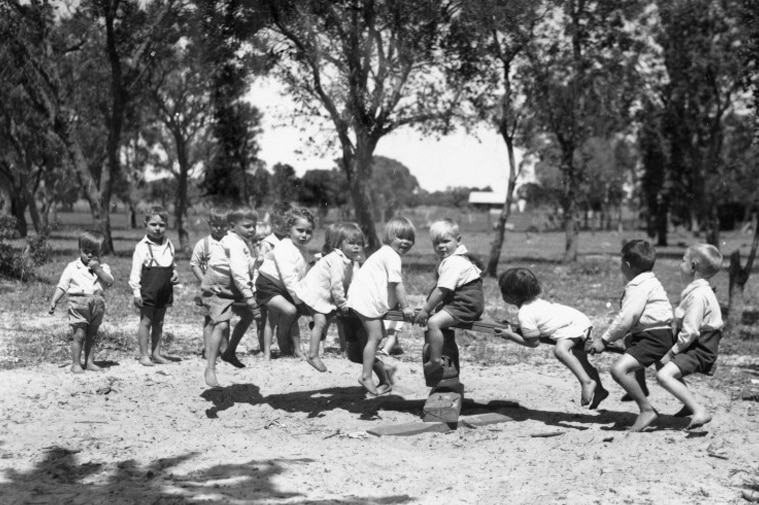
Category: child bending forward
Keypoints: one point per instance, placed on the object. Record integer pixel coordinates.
(457, 296)
(567, 327)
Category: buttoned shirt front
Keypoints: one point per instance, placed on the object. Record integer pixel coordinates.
(78, 279)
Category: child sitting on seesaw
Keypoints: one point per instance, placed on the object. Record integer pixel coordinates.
(457, 296)
(699, 323)
(567, 327)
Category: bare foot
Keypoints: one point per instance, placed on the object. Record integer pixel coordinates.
(160, 359)
(699, 419)
(232, 360)
(383, 389)
(588, 390)
(683, 412)
(267, 356)
(77, 369)
(92, 367)
(600, 395)
(390, 369)
(433, 366)
(299, 354)
(316, 362)
(210, 377)
(145, 361)
(644, 420)
(368, 384)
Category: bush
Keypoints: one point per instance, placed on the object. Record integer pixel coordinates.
(20, 264)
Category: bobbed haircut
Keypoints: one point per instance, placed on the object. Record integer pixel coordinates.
(520, 284)
(294, 214)
(339, 232)
(91, 240)
(640, 254)
(708, 259)
(157, 211)
(240, 213)
(444, 227)
(399, 227)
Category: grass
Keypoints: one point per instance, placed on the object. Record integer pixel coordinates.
(593, 285)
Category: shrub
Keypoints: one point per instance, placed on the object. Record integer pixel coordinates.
(20, 264)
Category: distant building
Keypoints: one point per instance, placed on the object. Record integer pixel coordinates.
(491, 200)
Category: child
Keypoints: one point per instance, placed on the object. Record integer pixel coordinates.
(457, 296)
(83, 280)
(699, 322)
(567, 327)
(229, 279)
(376, 288)
(646, 315)
(217, 221)
(391, 346)
(322, 289)
(151, 279)
(278, 279)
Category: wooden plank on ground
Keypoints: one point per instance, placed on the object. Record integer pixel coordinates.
(407, 429)
(484, 419)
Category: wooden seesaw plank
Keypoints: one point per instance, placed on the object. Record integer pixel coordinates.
(444, 405)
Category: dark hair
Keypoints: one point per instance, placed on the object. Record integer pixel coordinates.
(338, 232)
(91, 240)
(640, 254)
(520, 284)
(157, 211)
(294, 214)
(240, 213)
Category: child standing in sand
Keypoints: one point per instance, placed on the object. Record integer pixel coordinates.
(376, 288)
(279, 275)
(646, 315)
(567, 327)
(153, 274)
(457, 296)
(698, 320)
(322, 289)
(84, 280)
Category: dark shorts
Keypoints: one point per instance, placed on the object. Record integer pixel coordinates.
(86, 310)
(466, 303)
(266, 289)
(650, 346)
(352, 329)
(701, 355)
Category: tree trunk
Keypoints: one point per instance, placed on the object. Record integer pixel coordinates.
(738, 277)
(18, 210)
(180, 205)
(500, 233)
(569, 205)
(358, 168)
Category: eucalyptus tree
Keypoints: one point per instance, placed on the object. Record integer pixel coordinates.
(367, 67)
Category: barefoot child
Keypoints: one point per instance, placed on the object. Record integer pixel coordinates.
(457, 297)
(699, 323)
(322, 289)
(217, 221)
(567, 327)
(152, 278)
(278, 279)
(84, 280)
(376, 288)
(646, 315)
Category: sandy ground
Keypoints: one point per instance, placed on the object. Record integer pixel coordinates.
(281, 433)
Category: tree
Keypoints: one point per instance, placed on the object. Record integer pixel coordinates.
(368, 67)
(393, 186)
(284, 182)
(323, 189)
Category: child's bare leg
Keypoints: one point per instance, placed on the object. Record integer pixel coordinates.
(156, 336)
(600, 393)
(622, 372)
(143, 335)
(77, 341)
(283, 313)
(313, 359)
(563, 352)
(295, 337)
(373, 337)
(213, 343)
(435, 326)
(385, 374)
(90, 341)
(229, 354)
(269, 328)
(670, 378)
(260, 326)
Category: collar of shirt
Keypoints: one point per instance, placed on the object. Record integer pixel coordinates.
(641, 278)
(345, 259)
(698, 283)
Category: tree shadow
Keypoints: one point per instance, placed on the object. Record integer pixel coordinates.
(61, 478)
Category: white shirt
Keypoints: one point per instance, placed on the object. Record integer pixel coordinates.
(240, 261)
(201, 253)
(286, 266)
(644, 306)
(322, 288)
(698, 311)
(78, 279)
(539, 318)
(162, 254)
(456, 270)
(372, 292)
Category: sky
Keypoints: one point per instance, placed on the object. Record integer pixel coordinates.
(459, 159)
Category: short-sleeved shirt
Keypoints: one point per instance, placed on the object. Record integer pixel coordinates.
(372, 292)
(698, 312)
(457, 270)
(322, 288)
(78, 279)
(540, 318)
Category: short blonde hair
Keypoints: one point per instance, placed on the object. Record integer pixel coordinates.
(444, 227)
(708, 259)
(399, 227)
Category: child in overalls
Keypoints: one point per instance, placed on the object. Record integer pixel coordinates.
(151, 279)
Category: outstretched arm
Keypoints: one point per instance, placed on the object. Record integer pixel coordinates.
(510, 334)
(435, 298)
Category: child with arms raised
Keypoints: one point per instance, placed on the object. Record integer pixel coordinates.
(698, 321)
(278, 280)
(457, 297)
(322, 289)
(567, 327)
(84, 280)
(646, 315)
(229, 279)
(152, 278)
(376, 288)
